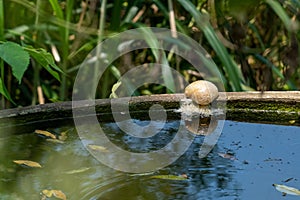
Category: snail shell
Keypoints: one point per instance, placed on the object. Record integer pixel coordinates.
(202, 92)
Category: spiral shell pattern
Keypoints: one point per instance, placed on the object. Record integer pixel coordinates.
(202, 92)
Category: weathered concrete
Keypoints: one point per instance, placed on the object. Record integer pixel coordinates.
(267, 107)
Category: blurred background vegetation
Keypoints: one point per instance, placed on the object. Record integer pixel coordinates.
(255, 44)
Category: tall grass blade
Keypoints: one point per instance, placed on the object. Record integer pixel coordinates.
(274, 69)
(160, 57)
(279, 10)
(230, 67)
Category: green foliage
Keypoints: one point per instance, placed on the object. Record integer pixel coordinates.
(45, 59)
(254, 44)
(14, 55)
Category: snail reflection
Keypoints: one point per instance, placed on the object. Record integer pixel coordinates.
(197, 110)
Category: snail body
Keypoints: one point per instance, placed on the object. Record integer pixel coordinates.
(202, 92)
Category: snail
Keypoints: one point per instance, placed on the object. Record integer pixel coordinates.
(202, 92)
(196, 110)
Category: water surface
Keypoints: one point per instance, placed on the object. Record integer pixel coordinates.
(261, 155)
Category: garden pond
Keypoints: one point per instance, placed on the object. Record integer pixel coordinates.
(246, 161)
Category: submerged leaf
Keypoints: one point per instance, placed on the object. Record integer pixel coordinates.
(76, 171)
(287, 190)
(97, 148)
(56, 193)
(170, 177)
(45, 133)
(142, 174)
(59, 194)
(63, 136)
(27, 163)
(55, 141)
(47, 193)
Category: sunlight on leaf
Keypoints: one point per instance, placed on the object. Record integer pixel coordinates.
(46, 60)
(286, 190)
(45, 134)
(171, 177)
(27, 163)
(97, 148)
(114, 89)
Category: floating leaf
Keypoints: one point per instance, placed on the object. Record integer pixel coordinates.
(286, 189)
(76, 171)
(171, 177)
(54, 141)
(287, 180)
(227, 156)
(27, 163)
(56, 193)
(97, 148)
(45, 133)
(142, 174)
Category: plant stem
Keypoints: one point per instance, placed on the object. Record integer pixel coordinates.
(65, 49)
(1, 39)
(36, 70)
(100, 37)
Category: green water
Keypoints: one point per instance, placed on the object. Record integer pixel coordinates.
(262, 155)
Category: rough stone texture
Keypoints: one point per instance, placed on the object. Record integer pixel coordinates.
(267, 107)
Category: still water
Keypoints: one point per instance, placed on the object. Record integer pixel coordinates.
(247, 159)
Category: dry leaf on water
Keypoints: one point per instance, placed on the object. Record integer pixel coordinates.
(227, 156)
(27, 163)
(286, 190)
(97, 148)
(45, 134)
(56, 193)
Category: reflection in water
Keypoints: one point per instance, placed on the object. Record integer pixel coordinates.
(69, 167)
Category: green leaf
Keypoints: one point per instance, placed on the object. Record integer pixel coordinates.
(14, 55)
(57, 9)
(159, 55)
(279, 10)
(45, 59)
